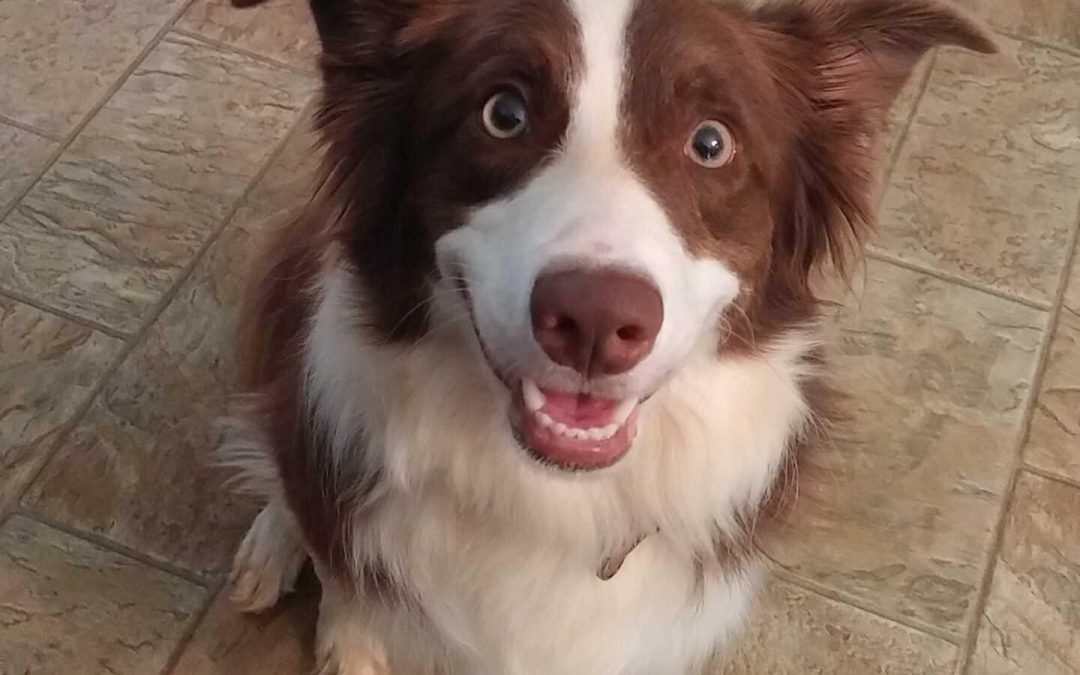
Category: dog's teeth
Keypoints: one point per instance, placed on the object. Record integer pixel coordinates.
(622, 413)
(610, 430)
(534, 398)
(544, 419)
(560, 428)
(596, 434)
(580, 434)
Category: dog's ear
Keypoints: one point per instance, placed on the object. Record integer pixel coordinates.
(841, 64)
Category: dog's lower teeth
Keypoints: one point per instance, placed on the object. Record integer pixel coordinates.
(592, 434)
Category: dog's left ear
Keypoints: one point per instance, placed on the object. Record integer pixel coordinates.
(841, 64)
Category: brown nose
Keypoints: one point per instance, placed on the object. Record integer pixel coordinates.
(598, 322)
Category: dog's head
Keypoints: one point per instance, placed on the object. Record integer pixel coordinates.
(606, 187)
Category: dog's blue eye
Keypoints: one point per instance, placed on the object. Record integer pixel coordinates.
(711, 144)
(505, 115)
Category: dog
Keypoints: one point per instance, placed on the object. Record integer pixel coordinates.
(534, 368)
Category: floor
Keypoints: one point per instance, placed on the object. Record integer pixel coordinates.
(143, 141)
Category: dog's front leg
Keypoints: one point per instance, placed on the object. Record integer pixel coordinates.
(268, 560)
(344, 646)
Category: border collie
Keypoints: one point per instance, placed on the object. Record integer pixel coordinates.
(526, 375)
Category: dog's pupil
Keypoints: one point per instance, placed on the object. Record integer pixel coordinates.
(508, 113)
(708, 143)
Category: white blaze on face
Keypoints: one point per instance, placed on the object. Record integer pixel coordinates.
(586, 208)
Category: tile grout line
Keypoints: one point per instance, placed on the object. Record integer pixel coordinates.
(12, 122)
(65, 315)
(144, 328)
(892, 258)
(1050, 475)
(233, 49)
(202, 581)
(189, 632)
(129, 343)
(901, 139)
(110, 92)
(974, 620)
(817, 588)
(1039, 42)
(296, 129)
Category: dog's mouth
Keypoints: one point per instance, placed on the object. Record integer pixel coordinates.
(577, 431)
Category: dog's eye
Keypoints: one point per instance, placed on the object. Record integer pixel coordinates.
(505, 115)
(711, 145)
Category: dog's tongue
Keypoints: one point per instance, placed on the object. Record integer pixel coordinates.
(579, 410)
(574, 430)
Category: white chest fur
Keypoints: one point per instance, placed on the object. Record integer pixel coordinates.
(501, 553)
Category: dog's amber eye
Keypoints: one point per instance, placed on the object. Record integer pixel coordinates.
(505, 115)
(711, 145)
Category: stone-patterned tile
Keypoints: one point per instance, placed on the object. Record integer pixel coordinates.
(48, 366)
(1055, 21)
(279, 641)
(1053, 442)
(1031, 623)
(22, 154)
(68, 606)
(111, 225)
(279, 29)
(903, 106)
(985, 186)
(796, 632)
(139, 469)
(288, 183)
(897, 507)
(61, 57)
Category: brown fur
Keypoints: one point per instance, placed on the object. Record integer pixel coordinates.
(804, 86)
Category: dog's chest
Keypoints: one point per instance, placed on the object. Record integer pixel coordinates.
(505, 606)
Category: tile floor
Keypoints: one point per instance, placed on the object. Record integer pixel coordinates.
(141, 144)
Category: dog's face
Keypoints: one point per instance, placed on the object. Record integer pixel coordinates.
(605, 187)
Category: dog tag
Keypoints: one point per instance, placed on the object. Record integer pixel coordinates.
(610, 566)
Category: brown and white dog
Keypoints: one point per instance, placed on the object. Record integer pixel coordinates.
(539, 353)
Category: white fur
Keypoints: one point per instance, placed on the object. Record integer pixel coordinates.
(268, 560)
(499, 553)
(586, 209)
(503, 552)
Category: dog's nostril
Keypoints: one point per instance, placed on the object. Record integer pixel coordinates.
(631, 334)
(565, 324)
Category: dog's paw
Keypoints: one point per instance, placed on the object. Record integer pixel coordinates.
(268, 561)
(353, 660)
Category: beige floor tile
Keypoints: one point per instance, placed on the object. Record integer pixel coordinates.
(278, 641)
(279, 29)
(61, 57)
(111, 225)
(897, 508)
(795, 632)
(138, 470)
(903, 107)
(48, 366)
(22, 154)
(1031, 624)
(68, 606)
(1056, 21)
(1053, 442)
(985, 186)
(288, 183)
